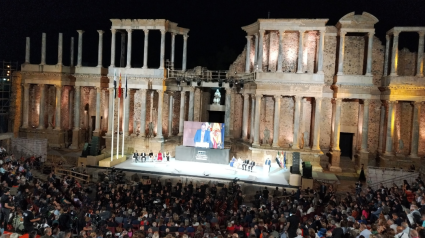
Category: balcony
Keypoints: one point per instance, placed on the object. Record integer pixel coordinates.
(144, 73)
(361, 80)
(283, 77)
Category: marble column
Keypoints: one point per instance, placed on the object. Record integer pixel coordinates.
(110, 112)
(252, 116)
(60, 48)
(58, 106)
(100, 49)
(97, 126)
(126, 103)
(113, 39)
(415, 130)
(320, 53)
(76, 129)
(72, 53)
(341, 53)
(387, 54)
(162, 51)
(191, 96)
(394, 60)
(381, 129)
(25, 106)
(248, 54)
(80, 48)
(170, 115)
(245, 116)
(300, 52)
(256, 52)
(260, 51)
(297, 115)
(257, 120)
(227, 112)
(184, 52)
(390, 128)
(42, 106)
(365, 125)
(145, 49)
(369, 54)
(316, 131)
(129, 41)
(159, 119)
(173, 47)
(280, 53)
(70, 103)
(182, 110)
(420, 60)
(27, 51)
(143, 114)
(337, 125)
(43, 49)
(276, 119)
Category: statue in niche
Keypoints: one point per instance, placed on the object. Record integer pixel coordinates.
(150, 134)
(266, 136)
(400, 145)
(217, 97)
(306, 139)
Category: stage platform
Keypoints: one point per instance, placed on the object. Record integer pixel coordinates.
(276, 177)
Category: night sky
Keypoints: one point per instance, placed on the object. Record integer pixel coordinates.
(216, 37)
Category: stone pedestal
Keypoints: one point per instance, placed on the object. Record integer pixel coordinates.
(335, 160)
(75, 139)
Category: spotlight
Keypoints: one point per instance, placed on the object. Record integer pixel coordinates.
(220, 83)
(198, 82)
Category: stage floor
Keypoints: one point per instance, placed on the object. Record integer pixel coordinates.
(276, 177)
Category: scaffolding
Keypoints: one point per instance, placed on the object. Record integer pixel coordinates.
(6, 72)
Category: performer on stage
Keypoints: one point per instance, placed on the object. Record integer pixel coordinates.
(268, 164)
(232, 161)
(240, 162)
(168, 156)
(251, 165)
(159, 157)
(143, 157)
(245, 163)
(284, 160)
(136, 156)
(151, 155)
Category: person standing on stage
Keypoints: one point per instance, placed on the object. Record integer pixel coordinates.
(159, 158)
(151, 155)
(168, 156)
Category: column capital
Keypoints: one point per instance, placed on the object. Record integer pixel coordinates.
(113, 31)
(261, 31)
(41, 85)
(388, 102)
(318, 99)
(371, 33)
(248, 37)
(163, 32)
(191, 89)
(396, 33)
(342, 33)
(281, 32)
(26, 85)
(421, 33)
(159, 91)
(258, 96)
(387, 37)
(245, 95)
(100, 32)
(417, 104)
(297, 97)
(185, 36)
(366, 102)
(146, 31)
(129, 31)
(277, 96)
(80, 31)
(338, 100)
(228, 91)
(98, 89)
(301, 31)
(57, 86)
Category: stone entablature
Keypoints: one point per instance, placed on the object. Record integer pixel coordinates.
(286, 25)
(148, 24)
(358, 23)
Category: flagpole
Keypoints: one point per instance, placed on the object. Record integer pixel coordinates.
(123, 114)
(113, 116)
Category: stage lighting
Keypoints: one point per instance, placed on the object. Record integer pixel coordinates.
(220, 83)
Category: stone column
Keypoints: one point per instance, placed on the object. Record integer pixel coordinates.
(365, 125)
(257, 120)
(182, 110)
(60, 47)
(27, 51)
(280, 56)
(159, 122)
(100, 49)
(70, 101)
(245, 116)
(25, 105)
(129, 33)
(127, 111)
(415, 129)
(80, 48)
(173, 47)
(58, 107)
(260, 51)
(276, 119)
(113, 31)
(110, 112)
(191, 92)
(42, 106)
(316, 131)
(76, 130)
(320, 53)
(72, 52)
(381, 129)
(170, 115)
(145, 50)
(300, 52)
(251, 131)
(256, 52)
(297, 114)
(248, 54)
(43, 49)
(369, 54)
(184, 52)
(143, 113)
(162, 52)
(390, 128)
(394, 60)
(97, 126)
(387, 54)
(227, 112)
(420, 61)
(341, 53)
(337, 125)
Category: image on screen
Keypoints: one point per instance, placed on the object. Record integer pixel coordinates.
(204, 134)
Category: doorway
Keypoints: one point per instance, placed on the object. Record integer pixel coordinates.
(346, 144)
(216, 116)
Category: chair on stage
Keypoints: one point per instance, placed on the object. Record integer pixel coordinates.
(245, 164)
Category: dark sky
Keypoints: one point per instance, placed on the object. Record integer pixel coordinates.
(216, 37)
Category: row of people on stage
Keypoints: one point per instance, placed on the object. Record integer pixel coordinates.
(158, 157)
(246, 164)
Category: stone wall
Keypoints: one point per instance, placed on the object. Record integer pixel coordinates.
(15, 109)
(406, 62)
(422, 131)
(329, 58)
(237, 115)
(326, 124)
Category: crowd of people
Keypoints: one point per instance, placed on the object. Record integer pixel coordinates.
(60, 207)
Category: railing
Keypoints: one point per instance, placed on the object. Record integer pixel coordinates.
(205, 75)
(410, 178)
(72, 174)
